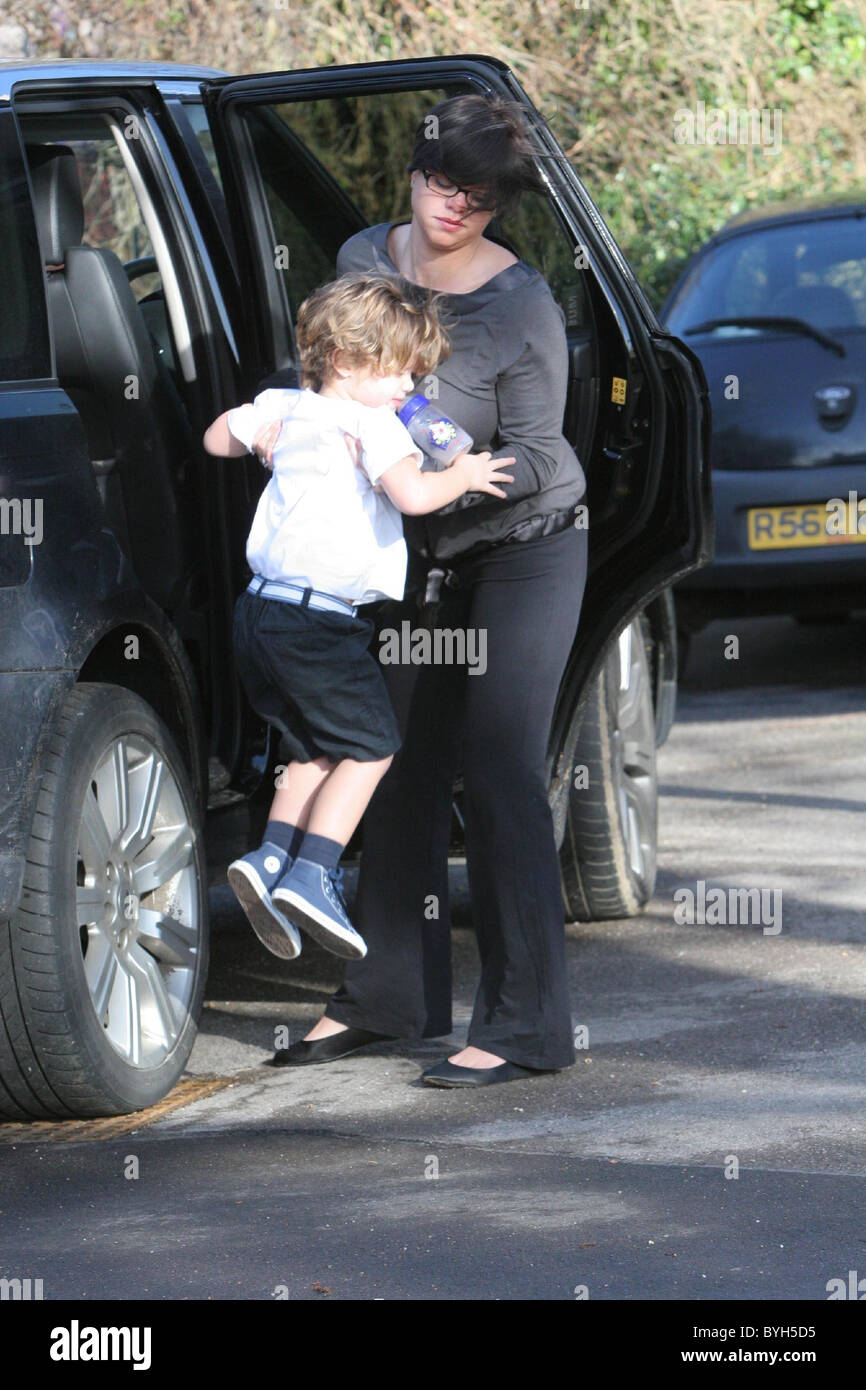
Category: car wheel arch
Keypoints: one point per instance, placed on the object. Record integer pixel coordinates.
(153, 664)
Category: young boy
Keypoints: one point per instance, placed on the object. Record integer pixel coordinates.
(326, 537)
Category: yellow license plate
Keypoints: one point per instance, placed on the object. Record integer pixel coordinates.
(781, 528)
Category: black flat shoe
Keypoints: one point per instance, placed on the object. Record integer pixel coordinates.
(447, 1074)
(329, 1049)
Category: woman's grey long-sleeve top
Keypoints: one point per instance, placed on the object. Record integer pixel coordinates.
(505, 382)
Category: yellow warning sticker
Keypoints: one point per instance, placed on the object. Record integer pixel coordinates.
(617, 391)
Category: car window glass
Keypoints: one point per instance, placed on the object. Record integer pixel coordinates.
(197, 117)
(364, 144)
(812, 270)
(112, 216)
(24, 345)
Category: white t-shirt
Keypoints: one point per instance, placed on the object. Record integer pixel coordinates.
(319, 522)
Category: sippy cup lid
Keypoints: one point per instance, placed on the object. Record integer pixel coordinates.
(411, 407)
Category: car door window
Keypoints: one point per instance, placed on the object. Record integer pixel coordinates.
(116, 222)
(330, 165)
(197, 117)
(112, 217)
(24, 343)
(364, 142)
(122, 335)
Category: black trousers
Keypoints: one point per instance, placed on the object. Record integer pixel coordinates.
(525, 598)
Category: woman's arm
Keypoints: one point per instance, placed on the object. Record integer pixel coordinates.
(531, 392)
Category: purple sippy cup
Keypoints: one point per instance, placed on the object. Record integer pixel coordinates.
(435, 433)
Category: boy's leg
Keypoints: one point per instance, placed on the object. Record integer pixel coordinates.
(309, 891)
(254, 876)
(333, 700)
(290, 808)
(299, 828)
(289, 813)
(332, 813)
(294, 797)
(322, 799)
(342, 799)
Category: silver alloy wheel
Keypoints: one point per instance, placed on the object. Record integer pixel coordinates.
(634, 752)
(137, 901)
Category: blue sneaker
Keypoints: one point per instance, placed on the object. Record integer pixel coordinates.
(313, 896)
(252, 879)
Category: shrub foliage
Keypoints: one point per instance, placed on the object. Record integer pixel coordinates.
(611, 77)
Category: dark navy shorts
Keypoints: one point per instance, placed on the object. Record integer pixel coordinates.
(310, 673)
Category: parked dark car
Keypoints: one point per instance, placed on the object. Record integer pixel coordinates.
(160, 226)
(775, 307)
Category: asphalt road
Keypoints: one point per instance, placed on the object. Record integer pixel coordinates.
(708, 1143)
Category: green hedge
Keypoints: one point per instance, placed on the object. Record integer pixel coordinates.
(609, 75)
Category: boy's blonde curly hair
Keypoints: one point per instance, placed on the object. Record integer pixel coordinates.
(374, 321)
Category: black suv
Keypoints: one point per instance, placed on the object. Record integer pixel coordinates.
(160, 226)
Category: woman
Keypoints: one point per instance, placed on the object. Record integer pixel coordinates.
(515, 574)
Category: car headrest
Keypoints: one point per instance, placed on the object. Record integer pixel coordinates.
(57, 199)
(824, 306)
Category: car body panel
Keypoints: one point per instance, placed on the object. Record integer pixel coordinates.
(736, 493)
(777, 419)
(74, 590)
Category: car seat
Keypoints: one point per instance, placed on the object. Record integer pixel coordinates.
(822, 306)
(107, 365)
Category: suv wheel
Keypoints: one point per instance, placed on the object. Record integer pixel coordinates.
(608, 852)
(102, 967)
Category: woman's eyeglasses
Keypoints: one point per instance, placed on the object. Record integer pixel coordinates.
(475, 202)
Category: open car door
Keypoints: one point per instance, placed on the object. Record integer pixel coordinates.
(307, 157)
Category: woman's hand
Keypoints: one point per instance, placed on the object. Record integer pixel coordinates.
(356, 452)
(481, 472)
(264, 442)
(354, 447)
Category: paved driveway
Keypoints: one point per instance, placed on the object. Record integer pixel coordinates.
(708, 1143)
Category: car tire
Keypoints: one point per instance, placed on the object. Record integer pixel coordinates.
(608, 851)
(103, 964)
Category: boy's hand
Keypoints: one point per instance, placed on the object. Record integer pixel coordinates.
(264, 442)
(481, 473)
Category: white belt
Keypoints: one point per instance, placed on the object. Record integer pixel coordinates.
(296, 593)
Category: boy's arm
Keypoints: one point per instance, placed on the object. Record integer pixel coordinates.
(416, 493)
(218, 439)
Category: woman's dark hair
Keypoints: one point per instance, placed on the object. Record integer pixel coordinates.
(478, 140)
